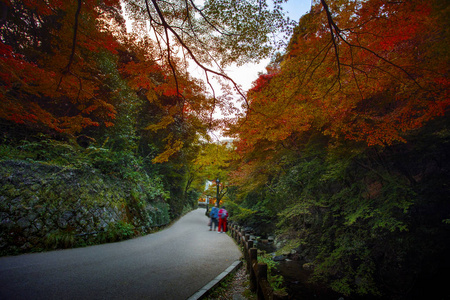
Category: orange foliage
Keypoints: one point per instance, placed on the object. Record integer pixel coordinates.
(35, 89)
(372, 80)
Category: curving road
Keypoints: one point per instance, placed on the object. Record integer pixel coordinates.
(171, 264)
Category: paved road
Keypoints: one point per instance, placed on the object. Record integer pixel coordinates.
(171, 264)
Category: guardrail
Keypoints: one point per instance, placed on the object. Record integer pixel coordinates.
(257, 271)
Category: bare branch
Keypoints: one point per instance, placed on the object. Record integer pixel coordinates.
(337, 33)
(214, 95)
(74, 43)
(191, 54)
(332, 27)
(207, 20)
(74, 40)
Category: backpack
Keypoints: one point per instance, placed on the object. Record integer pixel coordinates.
(223, 214)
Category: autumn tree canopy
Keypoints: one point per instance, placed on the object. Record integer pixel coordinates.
(49, 77)
(365, 71)
(212, 34)
(343, 145)
(321, 146)
(51, 54)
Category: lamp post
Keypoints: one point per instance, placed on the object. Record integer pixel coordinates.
(217, 198)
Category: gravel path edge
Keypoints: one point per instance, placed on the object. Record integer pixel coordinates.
(216, 281)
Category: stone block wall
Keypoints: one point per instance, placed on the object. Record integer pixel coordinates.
(38, 200)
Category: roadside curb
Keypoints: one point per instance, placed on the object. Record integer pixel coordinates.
(213, 283)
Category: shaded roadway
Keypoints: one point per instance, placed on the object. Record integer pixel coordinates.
(171, 264)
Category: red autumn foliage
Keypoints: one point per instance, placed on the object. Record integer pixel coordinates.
(46, 74)
(376, 76)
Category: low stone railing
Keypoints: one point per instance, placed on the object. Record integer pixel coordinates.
(257, 271)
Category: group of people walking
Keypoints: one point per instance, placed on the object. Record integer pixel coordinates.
(219, 219)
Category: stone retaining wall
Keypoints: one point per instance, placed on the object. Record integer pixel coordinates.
(38, 200)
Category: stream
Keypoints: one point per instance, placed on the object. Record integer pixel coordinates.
(296, 282)
(296, 278)
(297, 285)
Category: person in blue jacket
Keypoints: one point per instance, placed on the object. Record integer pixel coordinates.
(214, 214)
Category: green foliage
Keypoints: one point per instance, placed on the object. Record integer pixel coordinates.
(60, 240)
(275, 281)
(123, 135)
(120, 231)
(41, 148)
(122, 164)
(64, 239)
(159, 213)
(349, 260)
(364, 219)
(238, 213)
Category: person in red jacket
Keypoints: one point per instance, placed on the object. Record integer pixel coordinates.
(223, 216)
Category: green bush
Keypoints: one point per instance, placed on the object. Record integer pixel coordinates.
(117, 232)
(60, 240)
(238, 213)
(275, 281)
(120, 231)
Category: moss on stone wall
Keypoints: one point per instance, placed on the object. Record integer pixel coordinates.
(50, 206)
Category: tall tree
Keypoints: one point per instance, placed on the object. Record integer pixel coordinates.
(211, 163)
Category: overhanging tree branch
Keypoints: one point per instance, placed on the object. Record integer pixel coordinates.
(336, 33)
(74, 43)
(180, 40)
